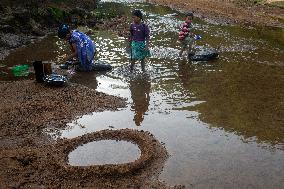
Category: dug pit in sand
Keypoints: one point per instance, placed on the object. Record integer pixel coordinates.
(151, 151)
(140, 173)
(47, 166)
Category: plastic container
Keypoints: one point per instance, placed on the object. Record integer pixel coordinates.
(55, 80)
(47, 68)
(21, 70)
(38, 67)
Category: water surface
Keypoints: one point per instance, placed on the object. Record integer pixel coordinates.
(104, 152)
(222, 121)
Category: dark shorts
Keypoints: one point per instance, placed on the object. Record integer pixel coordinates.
(188, 41)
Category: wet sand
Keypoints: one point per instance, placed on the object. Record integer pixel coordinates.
(29, 158)
(27, 108)
(230, 12)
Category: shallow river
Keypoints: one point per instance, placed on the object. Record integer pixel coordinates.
(221, 121)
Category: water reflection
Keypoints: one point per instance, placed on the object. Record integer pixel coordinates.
(140, 87)
(185, 72)
(44, 50)
(104, 152)
(244, 99)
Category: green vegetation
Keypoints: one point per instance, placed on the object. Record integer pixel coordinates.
(102, 14)
(278, 4)
(107, 10)
(57, 14)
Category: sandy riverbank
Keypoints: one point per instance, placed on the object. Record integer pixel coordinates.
(29, 158)
(230, 12)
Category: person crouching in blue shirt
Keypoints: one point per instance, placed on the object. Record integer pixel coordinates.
(83, 48)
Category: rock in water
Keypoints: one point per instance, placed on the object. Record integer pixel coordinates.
(102, 66)
(97, 66)
(204, 55)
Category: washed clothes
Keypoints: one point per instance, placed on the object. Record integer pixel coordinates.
(85, 48)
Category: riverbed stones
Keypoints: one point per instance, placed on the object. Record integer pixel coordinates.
(12, 40)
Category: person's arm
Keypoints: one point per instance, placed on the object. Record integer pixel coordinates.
(130, 36)
(192, 33)
(147, 43)
(74, 52)
(147, 38)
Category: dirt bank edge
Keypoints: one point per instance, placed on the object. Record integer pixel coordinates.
(230, 12)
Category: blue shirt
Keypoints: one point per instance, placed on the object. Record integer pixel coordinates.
(85, 49)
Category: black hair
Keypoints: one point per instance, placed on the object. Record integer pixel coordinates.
(137, 13)
(189, 14)
(63, 30)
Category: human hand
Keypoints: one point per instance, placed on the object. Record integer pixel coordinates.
(197, 37)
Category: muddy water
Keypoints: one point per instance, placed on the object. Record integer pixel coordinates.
(221, 121)
(48, 49)
(104, 152)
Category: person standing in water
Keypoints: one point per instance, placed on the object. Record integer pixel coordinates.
(139, 40)
(186, 36)
(82, 47)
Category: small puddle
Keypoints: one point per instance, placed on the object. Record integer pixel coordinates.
(104, 152)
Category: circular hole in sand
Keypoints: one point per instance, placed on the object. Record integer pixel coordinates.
(104, 152)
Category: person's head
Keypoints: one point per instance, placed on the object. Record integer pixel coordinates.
(189, 17)
(137, 16)
(64, 31)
